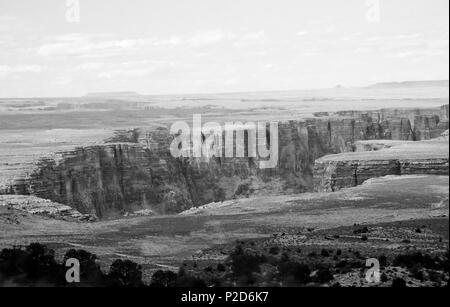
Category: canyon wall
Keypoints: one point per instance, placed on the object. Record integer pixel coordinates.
(331, 176)
(112, 179)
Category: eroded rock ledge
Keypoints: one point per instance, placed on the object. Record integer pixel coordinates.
(112, 179)
(335, 172)
(44, 207)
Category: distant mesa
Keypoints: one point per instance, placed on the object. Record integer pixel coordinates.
(112, 94)
(411, 84)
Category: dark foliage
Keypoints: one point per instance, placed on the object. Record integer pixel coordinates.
(324, 253)
(33, 266)
(90, 272)
(418, 259)
(274, 250)
(244, 264)
(293, 273)
(163, 279)
(125, 273)
(323, 276)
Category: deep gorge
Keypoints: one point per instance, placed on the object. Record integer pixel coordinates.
(111, 179)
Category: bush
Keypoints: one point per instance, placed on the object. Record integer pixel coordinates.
(190, 282)
(274, 250)
(243, 189)
(90, 272)
(324, 276)
(125, 273)
(383, 261)
(418, 259)
(294, 273)
(163, 279)
(35, 265)
(324, 253)
(361, 230)
(221, 267)
(417, 273)
(244, 264)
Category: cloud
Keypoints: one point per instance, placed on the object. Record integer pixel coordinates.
(208, 37)
(130, 69)
(81, 45)
(418, 53)
(250, 38)
(6, 70)
(398, 37)
(7, 18)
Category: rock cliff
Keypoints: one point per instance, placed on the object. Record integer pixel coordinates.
(335, 172)
(113, 179)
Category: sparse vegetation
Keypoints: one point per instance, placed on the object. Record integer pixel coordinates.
(35, 266)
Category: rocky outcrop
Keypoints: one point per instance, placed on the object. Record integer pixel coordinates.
(335, 172)
(115, 179)
(429, 127)
(108, 181)
(45, 207)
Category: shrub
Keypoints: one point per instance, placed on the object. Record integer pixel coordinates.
(163, 279)
(274, 250)
(244, 264)
(324, 276)
(221, 267)
(383, 261)
(361, 230)
(418, 259)
(125, 273)
(324, 253)
(190, 282)
(90, 272)
(294, 273)
(34, 265)
(417, 273)
(243, 189)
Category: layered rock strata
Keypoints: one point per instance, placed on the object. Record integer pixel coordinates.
(113, 179)
(45, 207)
(335, 172)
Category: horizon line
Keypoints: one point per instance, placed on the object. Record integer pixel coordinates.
(338, 86)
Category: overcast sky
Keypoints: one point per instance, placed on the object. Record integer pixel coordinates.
(200, 46)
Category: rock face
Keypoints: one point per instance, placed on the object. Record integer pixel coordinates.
(107, 180)
(39, 206)
(335, 172)
(114, 179)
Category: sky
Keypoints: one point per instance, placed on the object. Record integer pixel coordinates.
(70, 48)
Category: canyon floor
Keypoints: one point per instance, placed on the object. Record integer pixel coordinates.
(392, 208)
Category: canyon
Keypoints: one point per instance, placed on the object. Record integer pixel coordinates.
(133, 170)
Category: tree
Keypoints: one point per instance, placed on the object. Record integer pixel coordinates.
(125, 273)
(163, 279)
(90, 272)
